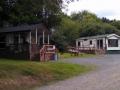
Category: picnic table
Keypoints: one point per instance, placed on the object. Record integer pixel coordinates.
(75, 52)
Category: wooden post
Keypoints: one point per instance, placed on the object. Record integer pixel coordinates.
(36, 39)
(19, 46)
(36, 36)
(89, 47)
(83, 47)
(94, 47)
(19, 38)
(105, 46)
(48, 39)
(30, 41)
(43, 37)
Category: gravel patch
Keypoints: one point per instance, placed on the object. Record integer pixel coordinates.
(106, 78)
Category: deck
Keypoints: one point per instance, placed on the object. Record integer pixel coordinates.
(87, 49)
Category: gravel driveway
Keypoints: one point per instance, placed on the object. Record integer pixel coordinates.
(106, 78)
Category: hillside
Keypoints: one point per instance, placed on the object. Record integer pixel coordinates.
(23, 75)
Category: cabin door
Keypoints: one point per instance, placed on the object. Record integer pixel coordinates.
(41, 41)
(100, 44)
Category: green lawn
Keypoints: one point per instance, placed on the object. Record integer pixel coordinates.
(68, 55)
(22, 75)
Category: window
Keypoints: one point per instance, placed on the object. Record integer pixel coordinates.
(78, 43)
(23, 37)
(90, 42)
(2, 42)
(85, 39)
(112, 42)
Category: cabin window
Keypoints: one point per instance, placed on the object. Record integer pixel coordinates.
(112, 42)
(2, 42)
(23, 38)
(90, 42)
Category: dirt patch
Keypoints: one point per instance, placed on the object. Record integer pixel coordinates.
(23, 81)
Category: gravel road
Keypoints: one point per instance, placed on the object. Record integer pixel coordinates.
(106, 78)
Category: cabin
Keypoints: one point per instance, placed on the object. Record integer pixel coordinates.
(29, 42)
(100, 44)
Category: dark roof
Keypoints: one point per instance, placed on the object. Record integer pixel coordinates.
(98, 36)
(20, 28)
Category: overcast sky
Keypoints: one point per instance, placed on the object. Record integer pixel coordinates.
(102, 8)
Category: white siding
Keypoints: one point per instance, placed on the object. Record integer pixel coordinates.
(87, 43)
(104, 42)
(94, 41)
(113, 48)
(112, 37)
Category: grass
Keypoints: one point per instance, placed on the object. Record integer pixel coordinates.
(68, 55)
(22, 75)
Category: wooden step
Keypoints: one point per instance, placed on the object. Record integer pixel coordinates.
(36, 57)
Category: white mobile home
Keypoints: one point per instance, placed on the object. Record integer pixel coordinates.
(110, 42)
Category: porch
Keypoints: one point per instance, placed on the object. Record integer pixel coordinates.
(89, 49)
(31, 52)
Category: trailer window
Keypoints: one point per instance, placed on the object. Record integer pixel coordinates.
(112, 42)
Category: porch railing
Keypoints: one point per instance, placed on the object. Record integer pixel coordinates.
(19, 47)
(47, 49)
(23, 47)
(87, 47)
(32, 48)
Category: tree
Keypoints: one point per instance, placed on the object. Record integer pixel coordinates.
(92, 29)
(70, 29)
(4, 12)
(116, 24)
(106, 20)
(0, 9)
(85, 17)
(65, 33)
(110, 29)
(59, 40)
(20, 12)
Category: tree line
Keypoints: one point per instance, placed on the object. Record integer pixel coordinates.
(65, 29)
